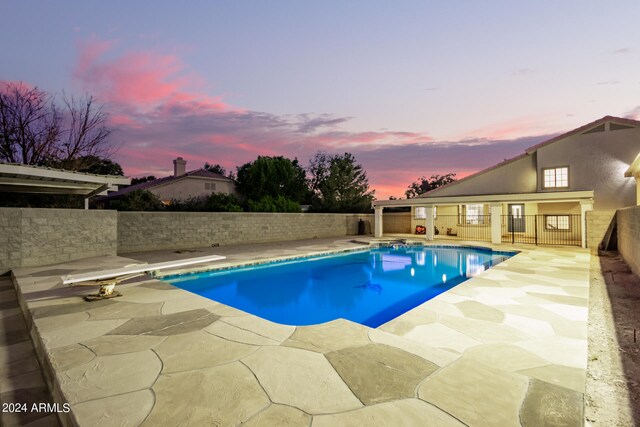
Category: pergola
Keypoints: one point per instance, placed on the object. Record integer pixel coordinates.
(15, 178)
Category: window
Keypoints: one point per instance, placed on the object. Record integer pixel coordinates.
(210, 186)
(421, 212)
(557, 222)
(475, 214)
(555, 177)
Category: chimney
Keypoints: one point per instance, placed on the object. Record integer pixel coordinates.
(179, 166)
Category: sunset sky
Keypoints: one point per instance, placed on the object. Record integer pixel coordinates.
(410, 88)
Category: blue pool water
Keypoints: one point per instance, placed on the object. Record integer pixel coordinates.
(369, 287)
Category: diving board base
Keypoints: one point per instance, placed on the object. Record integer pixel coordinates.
(98, 297)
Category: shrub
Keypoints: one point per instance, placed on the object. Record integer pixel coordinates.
(138, 200)
(273, 204)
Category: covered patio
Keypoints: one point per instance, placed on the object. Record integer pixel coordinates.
(17, 178)
(554, 218)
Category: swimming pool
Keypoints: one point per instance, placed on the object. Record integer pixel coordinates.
(369, 287)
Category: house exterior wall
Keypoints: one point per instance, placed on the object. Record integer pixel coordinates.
(628, 232)
(518, 176)
(189, 187)
(398, 222)
(447, 214)
(571, 208)
(31, 237)
(597, 161)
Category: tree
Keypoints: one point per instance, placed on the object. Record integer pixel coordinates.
(29, 125)
(273, 176)
(423, 185)
(88, 164)
(339, 184)
(86, 133)
(34, 131)
(142, 179)
(217, 168)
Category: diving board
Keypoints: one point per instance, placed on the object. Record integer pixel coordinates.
(108, 279)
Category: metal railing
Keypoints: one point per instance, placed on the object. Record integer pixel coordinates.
(459, 227)
(545, 229)
(454, 227)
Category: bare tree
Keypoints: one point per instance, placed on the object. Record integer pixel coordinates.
(29, 124)
(34, 131)
(85, 135)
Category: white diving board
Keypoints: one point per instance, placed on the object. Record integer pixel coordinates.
(108, 279)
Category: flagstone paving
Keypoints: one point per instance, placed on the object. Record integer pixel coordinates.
(20, 376)
(506, 348)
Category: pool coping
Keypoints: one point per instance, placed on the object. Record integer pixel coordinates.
(215, 267)
(392, 333)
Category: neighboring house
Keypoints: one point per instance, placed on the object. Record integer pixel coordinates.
(182, 185)
(541, 196)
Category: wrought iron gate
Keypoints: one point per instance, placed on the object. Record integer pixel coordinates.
(544, 229)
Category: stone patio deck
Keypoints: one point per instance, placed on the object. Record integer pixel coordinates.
(506, 348)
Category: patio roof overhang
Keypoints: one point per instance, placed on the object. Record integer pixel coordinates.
(556, 196)
(34, 179)
(634, 168)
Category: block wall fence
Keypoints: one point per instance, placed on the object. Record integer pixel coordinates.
(597, 224)
(32, 237)
(148, 231)
(628, 236)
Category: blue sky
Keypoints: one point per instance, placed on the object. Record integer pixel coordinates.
(410, 87)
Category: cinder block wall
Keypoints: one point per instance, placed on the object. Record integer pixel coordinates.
(32, 237)
(597, 223)
(147, 231)
(629, 236)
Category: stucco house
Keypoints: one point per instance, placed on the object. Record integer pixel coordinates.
(182, 185)
(562, 191)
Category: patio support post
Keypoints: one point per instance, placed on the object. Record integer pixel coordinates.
(584, 207)
(496, 223)
(429, 225)
(378, 221)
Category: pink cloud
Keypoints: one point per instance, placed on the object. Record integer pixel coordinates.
(514, 128)
(89, 51)
(143, 80)
(160, 114)
(634, 114)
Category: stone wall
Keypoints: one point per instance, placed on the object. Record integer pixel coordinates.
(597, 223)
(31, 237)
(148, 231)
(629, 236)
